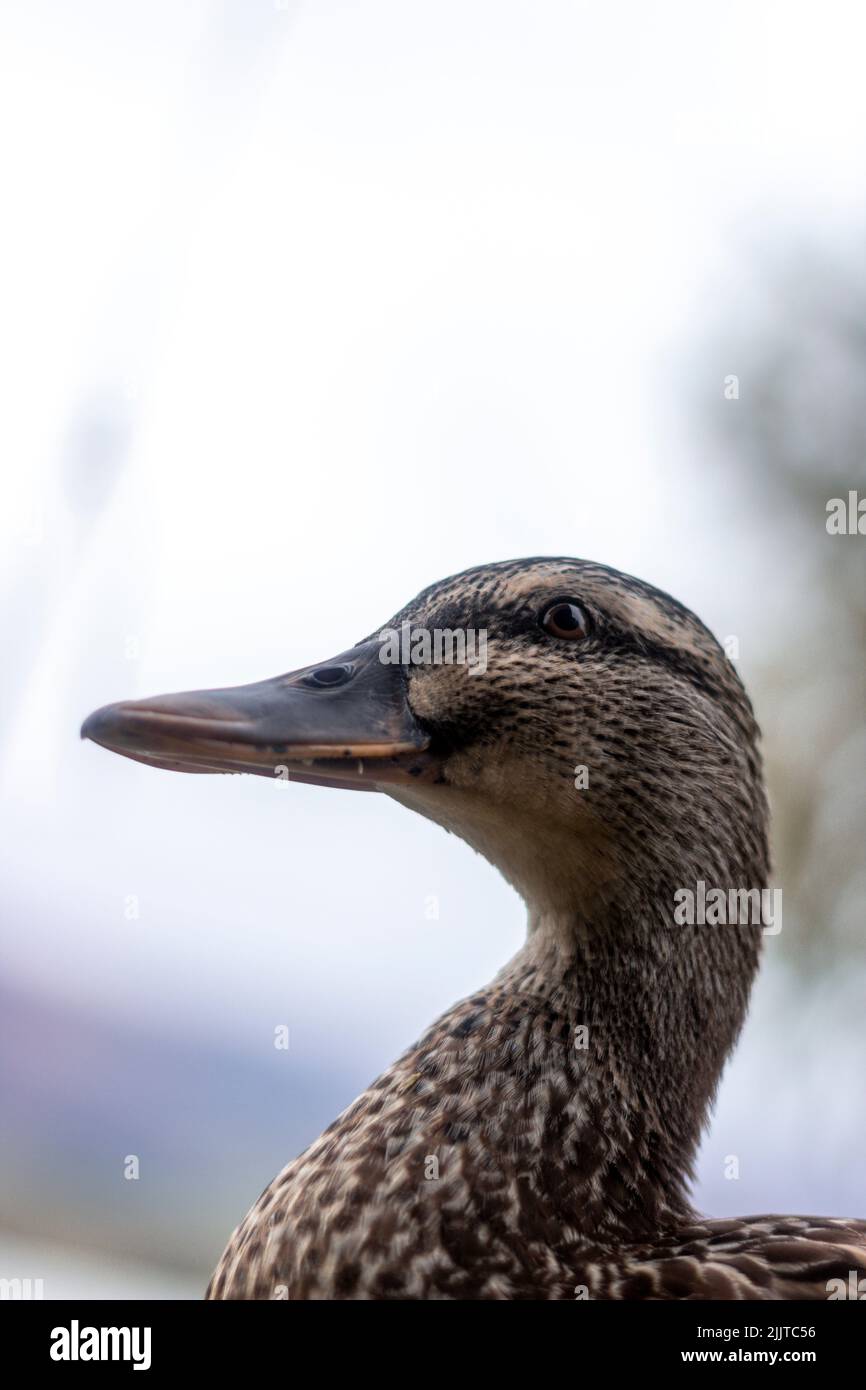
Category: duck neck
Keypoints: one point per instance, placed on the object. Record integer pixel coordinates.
(630, 1022)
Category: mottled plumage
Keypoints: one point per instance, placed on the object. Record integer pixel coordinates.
(538, 1141)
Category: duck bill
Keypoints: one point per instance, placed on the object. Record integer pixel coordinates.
(345, 723)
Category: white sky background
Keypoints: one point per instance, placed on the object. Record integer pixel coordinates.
(366, 293)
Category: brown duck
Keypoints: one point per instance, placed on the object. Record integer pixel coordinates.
(538, 1141)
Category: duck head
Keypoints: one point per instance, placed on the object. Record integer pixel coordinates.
(597, 746)
(581, 729)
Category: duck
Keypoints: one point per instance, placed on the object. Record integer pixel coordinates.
(539, 1140)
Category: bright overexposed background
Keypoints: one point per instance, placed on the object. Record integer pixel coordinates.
(305, 305)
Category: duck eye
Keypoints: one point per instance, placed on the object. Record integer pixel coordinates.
(565, 619)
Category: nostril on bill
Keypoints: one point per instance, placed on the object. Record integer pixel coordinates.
(326, 677)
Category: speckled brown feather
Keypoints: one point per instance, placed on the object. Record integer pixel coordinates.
(538, 1141)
